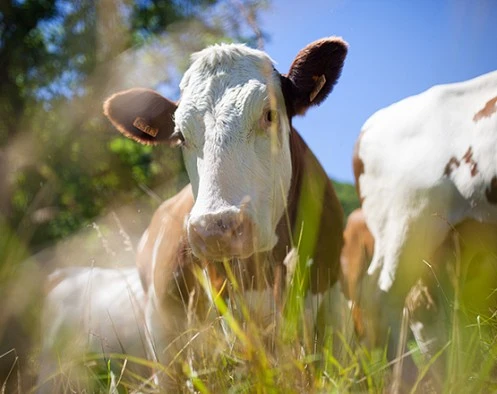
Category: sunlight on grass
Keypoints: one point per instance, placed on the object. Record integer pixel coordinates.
(237, 348)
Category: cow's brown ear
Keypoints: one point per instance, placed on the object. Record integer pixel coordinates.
(142, 114)
(313, 73)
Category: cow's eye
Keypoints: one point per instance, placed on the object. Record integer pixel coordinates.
(270, 116)
(177, 139)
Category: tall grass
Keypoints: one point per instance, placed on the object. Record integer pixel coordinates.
(237, 351)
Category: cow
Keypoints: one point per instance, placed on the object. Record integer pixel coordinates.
(257, 191)
(356, 255)
(422, 166)
(90, 310)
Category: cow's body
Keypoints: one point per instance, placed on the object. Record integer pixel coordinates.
(257, 191)
(90, 310)
(422, 166)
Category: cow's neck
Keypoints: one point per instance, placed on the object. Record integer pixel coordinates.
(314, 218)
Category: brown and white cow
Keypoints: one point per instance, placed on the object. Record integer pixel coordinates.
(422, 166)
(256, 192)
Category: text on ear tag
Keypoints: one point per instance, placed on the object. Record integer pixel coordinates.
(320, 81)
(142, 125)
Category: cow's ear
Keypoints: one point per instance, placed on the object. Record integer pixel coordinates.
(142, 114)
(313, 73)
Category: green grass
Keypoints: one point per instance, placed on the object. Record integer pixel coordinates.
(248, 357)
(242, 360)
(233, 352)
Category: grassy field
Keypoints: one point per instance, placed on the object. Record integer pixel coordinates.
(232, 351)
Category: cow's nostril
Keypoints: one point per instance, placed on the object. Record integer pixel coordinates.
(221, 224)
(239, 230)
(195, 228)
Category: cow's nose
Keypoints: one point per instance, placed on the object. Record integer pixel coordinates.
(222, 235)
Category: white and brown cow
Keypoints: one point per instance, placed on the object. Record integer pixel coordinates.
(422, 166)
(256, 189)
(90, 310)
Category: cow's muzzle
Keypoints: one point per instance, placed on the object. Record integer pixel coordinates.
(222, 235)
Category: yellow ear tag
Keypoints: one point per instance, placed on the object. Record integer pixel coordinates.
(320, 81)
(142, 125)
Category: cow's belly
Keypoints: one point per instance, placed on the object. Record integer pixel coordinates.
(415, 188)
(102, 308)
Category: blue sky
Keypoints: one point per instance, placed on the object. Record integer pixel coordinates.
(397, 48)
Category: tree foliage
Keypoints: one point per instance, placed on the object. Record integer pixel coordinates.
(347, 195)
(22, 51)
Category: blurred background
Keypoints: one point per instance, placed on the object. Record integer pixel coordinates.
(74, 192)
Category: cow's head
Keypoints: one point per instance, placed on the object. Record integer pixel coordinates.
(233, 123)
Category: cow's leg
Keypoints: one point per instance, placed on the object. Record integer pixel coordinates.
(428, 323)
(399, 261)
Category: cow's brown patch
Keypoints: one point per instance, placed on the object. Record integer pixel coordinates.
(491, 191)
(451, 165)
(489, 108)
(311, 185)
(468, 158)
(474, 168)
(358, 319)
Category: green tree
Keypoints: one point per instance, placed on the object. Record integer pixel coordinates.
(22, 50)
(347, 195)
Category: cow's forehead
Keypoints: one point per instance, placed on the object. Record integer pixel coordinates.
(226, 65)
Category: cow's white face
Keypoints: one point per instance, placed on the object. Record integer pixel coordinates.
(235, 139)
(233, 123)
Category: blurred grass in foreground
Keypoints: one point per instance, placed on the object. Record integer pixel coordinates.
(231, 353)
